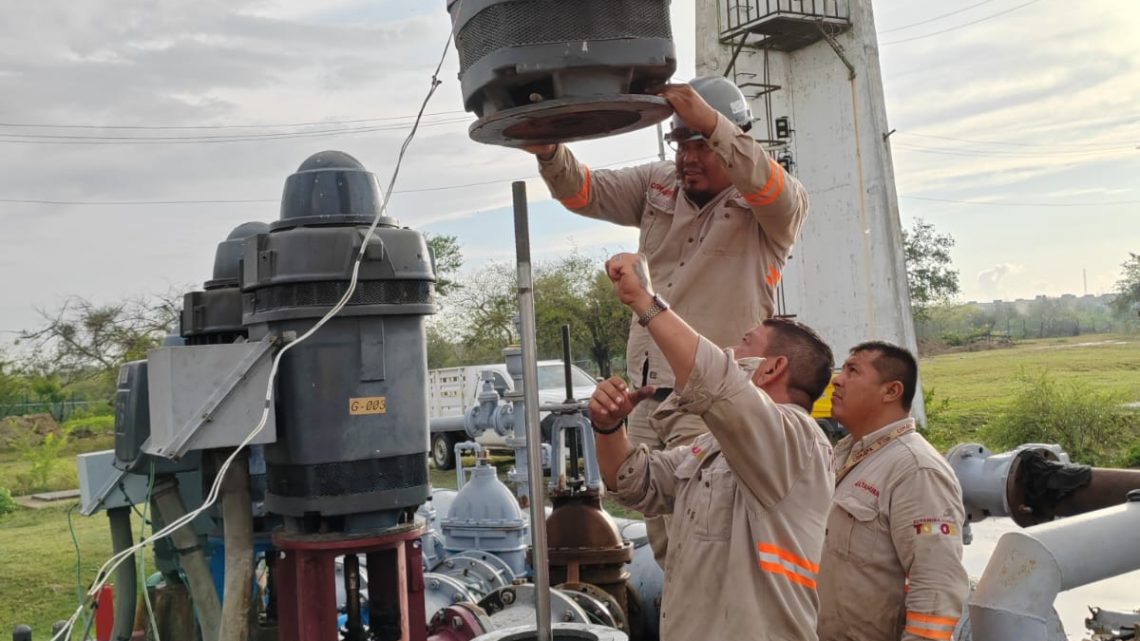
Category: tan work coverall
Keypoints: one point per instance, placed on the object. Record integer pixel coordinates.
(892, 563)
(748, 499)
(717, 265)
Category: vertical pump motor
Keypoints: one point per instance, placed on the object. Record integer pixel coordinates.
(351, 401)
(545, 71)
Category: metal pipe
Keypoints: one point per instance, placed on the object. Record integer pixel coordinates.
(1029, 568)
(126, 575)
(533, 428)
(170, 508)
(1106, 487)
(448, 424)
(353, 623)
(237, 523)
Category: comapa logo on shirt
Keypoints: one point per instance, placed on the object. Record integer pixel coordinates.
(934, 526)
(863, 485)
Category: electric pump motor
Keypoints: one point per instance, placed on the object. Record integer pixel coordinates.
(545, 71)
(351, 400)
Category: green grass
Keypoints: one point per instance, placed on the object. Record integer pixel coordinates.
(14, 472)
(38, 565)
(978, 385)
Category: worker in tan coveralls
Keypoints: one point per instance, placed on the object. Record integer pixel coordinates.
(892, 561)
(749, 498)
(721, 218)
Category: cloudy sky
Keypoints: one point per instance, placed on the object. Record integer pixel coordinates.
(1017, 121)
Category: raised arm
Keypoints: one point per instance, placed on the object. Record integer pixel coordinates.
(767, 450)
(778, 201)
(614, 195)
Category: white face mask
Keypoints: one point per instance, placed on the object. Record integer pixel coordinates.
(750, 364)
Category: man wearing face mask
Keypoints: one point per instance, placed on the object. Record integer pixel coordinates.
(721, 218)
(750, 497)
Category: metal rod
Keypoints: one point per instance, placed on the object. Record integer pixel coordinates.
(353, 623)
(533, 429)
(572, 437)
(660, 142)
(566, 371)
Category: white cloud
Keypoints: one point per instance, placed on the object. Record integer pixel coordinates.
(1062, 75)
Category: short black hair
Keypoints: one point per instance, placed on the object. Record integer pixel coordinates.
(893, 363)
(806, 349)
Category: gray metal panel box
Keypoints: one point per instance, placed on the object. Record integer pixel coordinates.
(208, 396)
(103, 486)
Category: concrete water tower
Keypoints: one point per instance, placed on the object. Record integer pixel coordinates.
(811, 69)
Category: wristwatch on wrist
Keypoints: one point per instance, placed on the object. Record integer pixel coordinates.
(656, 307)
(615, 428)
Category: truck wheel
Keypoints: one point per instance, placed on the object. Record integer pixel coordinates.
(443, 451)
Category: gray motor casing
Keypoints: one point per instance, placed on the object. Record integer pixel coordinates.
(538, 71)
(340, 450)
(214, 315)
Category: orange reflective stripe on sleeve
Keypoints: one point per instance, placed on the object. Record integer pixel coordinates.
(773, 277)
(771, 190)
(779, 561)
(939, 635)
(929, 626)
(582, 198)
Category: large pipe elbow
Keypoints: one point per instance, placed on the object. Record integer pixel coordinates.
(1029, 568)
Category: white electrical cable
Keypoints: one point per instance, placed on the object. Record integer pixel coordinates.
(142, 556)
(212, 497)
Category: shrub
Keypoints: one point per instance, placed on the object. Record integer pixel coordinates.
(43, 459)
(7, 503)
(88, 426)
(1092, 426)
(1132, 458)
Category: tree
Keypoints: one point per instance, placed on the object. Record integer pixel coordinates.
(1128, 287)
(448, 261)
(83, 340)
(11, 385)
(929, 274)
(573, 290)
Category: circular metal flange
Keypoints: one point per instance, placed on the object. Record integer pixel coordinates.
(493, 560)
(602, 607)
(570, 119)
(459, 622)
(561, 632)
(480, 577)
(441, 591)
(514, 605)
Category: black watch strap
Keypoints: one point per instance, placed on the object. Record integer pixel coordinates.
(612, 430)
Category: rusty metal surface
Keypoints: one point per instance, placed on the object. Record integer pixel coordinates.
(570, 119)
(1105, 488)
(305, 582)
(586, 547)
(602, 607)
(459, 622)
(1108, 487)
